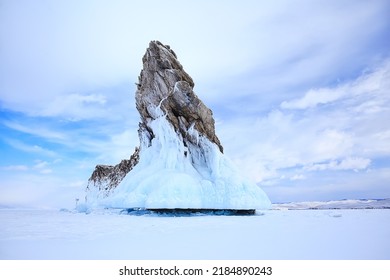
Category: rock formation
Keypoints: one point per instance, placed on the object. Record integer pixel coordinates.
(180, 161)
(163, 82)
(106, 178)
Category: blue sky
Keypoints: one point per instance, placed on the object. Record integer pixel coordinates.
(299, 91)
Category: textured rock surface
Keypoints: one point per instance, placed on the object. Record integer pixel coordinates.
(163, 82)
(107, 177)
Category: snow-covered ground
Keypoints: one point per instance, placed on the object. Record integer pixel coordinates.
(270, 234)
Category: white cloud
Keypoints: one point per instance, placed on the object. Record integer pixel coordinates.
(76, 106)
(297, 177)
(30, 148)
(331, 143)
(106, 141)
(315, 97)
(45, 171)
(353, 163)
(336, 137)
(367, 84)
(42, 167)
(40, 164)
(15, 168)
(121, 145)
(53, 49)
(34, 129)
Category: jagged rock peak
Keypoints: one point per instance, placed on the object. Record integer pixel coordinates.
(164, 83)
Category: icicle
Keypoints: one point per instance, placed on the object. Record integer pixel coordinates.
(193, 133)
(158, 110)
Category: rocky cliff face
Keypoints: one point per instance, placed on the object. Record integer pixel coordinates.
(105, 178)
(162, 83)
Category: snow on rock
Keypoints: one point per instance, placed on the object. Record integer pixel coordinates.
(180, 161)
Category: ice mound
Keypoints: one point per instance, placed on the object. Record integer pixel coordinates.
(170, 175)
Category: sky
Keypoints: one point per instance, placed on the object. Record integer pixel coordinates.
(299, 91)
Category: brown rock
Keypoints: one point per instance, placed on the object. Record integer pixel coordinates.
(107, 177)
(163, 82)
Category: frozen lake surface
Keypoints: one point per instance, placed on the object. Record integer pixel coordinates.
(270, 234)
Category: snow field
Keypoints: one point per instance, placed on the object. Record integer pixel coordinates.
(270, 234)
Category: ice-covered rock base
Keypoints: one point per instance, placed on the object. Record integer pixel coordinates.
(172, 176)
